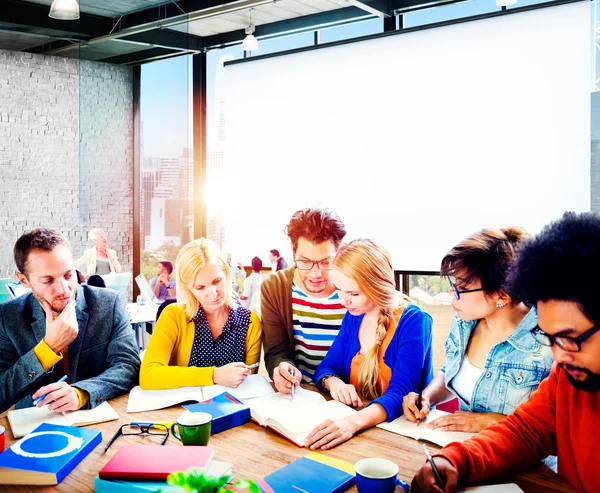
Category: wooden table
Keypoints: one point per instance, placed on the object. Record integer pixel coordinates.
(256, 452)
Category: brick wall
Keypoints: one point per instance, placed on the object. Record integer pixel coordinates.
(66, 151)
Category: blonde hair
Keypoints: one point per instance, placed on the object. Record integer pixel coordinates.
(193, 257)
(369, 264)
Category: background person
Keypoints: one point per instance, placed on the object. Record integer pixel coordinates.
(383, 349)
(277, 260)
(100, 259)
(206, 337)
(301, 311)
(163, 284)
(251, 296)
(493, 362)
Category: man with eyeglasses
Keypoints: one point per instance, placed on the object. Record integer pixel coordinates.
(558, 272)
(301, 311)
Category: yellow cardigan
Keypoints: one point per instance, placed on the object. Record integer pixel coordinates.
(165, 364)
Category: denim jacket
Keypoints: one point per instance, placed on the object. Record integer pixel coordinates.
(513, 369)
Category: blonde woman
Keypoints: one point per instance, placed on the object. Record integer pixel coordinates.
(383, 348)
(100, 259)
(206, 337)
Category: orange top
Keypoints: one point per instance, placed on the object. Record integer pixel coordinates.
(385, 372)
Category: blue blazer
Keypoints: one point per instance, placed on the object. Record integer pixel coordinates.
(103, 359)
(408, 355)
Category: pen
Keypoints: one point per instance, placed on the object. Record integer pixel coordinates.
(41, 398)
(433, 466)
(293, 372)
(419, 400)
(255, 365)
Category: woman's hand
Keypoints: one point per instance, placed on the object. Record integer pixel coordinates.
(465, 421)
(410, 409)
(330, 433)
(344, 392)
(231, 375)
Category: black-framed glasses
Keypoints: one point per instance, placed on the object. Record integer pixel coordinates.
(303, 264)
(140, 428)
(566, 343)
(458, 292)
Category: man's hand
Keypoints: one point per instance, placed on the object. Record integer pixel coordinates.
(465, 421)
(286, 375)
(165, 278)
(330, 433)
(63, 330)
(61, 397)
(344, 392)
(425, 480)
(231, 375)
(410, 409)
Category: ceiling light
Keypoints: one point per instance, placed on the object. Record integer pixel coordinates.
(64, 10)
(505, 3)
(250, 43)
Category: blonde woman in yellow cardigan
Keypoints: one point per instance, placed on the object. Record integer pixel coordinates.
(206, 337)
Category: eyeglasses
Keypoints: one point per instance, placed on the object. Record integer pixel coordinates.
(570, 344)
(139, 428)
(302, 264)
(458, 292)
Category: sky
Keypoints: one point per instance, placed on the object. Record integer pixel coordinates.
(166, 85)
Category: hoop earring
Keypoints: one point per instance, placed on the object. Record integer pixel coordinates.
(500, 304)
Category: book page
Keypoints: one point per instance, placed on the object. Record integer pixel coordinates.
(279, 404)
(254, 386)
(301, 422)
(148, 400)
(495, 488)
(24, 421)
(404, 427)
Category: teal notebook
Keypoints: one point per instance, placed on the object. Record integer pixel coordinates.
(46, 455)
(313, 473)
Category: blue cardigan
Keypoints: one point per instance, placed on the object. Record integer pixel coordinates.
(408, 355)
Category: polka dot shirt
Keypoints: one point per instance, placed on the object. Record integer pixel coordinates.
(229, 347)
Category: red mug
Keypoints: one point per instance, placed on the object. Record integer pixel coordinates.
(2, 439)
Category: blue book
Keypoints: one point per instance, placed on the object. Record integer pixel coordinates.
(226, 412)
(47, 455)
(314, 473)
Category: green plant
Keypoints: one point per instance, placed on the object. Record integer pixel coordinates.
(195, 481)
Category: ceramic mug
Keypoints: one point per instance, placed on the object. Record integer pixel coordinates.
(375, 475)
(192, 428)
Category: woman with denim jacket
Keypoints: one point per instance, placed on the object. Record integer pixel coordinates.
(493, 362)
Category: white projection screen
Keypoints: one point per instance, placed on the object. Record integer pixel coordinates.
(416, 139)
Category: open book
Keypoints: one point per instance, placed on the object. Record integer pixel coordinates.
(295, 419)
(148, 400)
(407, 428)
(24, 421)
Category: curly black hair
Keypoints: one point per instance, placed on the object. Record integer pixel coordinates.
(561, 263)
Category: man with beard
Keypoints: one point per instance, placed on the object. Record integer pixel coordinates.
(62, 330)
(301, 310)
(557, 271)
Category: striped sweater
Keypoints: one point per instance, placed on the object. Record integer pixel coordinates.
(316, 323)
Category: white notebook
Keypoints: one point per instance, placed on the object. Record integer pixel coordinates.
(24, 421)
(148, 400)
(494, 488)
(295, 419)
(402, 426)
